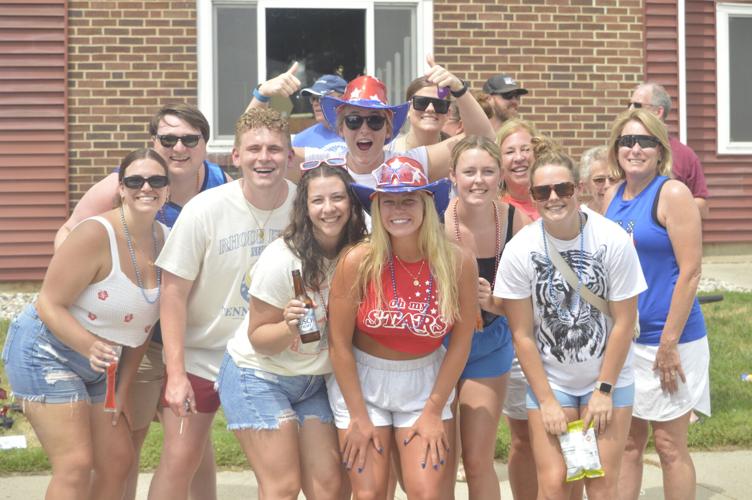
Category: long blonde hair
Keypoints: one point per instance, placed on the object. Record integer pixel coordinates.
(442, 256)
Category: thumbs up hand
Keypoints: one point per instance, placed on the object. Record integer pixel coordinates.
(285, 84)
(441, 76)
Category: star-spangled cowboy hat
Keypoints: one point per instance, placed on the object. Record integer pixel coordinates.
(402, 174)
(369, 93)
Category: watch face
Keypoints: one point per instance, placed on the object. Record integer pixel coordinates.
(604, 387)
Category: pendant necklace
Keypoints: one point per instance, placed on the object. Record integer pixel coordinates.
(251, 208)
(551, 298)
(415, 277)
(139, 279)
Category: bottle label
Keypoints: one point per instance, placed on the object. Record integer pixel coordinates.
(308, 322)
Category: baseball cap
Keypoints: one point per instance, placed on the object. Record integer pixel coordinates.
(501, 84)
(326, 84)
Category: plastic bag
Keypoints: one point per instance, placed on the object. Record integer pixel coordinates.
(580, 452)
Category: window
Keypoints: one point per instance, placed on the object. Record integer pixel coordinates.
(243, 42)
(734, 78)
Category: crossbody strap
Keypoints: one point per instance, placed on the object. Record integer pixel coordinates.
(569, 275)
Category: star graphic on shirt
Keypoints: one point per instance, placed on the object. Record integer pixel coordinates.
(428, 282)
(417, 294)
(433, 310)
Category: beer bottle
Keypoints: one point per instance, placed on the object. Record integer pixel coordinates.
(307, 326)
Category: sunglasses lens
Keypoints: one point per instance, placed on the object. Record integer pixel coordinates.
(420, 102)
(336, 162)
(168, 141)
(634, 105)
(134, 182)
(645, 141)
(157, 181)
(376, 122)
(190, 141)
(310, 164)
(540, 193)
(353, 122)
(564, 189)
(543, 193)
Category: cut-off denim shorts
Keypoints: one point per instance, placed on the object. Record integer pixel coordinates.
(257, 399)
(42, 369)
(621, 397)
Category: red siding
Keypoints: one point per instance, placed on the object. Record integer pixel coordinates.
(33, 134)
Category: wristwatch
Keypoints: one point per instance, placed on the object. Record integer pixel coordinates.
(604, 387)
(459, 93)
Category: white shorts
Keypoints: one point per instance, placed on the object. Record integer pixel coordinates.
(652, 403)
(395, 391)
(514, 403)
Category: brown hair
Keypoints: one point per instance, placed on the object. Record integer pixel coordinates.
(189, 113)
(548, 152)
(140, 154)
(475, 142)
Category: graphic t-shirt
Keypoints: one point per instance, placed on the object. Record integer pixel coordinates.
(570, 333)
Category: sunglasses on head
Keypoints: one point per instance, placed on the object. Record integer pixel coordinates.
(189, 141)
(374, 122)
(421, 102)
(645, 141)
(137, 181)
(332, 162)
(543, 193)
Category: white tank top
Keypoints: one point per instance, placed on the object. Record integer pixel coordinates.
(115, 308)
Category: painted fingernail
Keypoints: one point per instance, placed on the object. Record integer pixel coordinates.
(422, 466)
(360, 469)
(381, 450)
(441, 461)
(435, 466)
(404, 442)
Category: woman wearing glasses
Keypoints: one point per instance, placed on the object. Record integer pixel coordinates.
(595, 179)
(366, 122)
(100, 295)
(179, 133)
(426, 117)
(575, 357)
(671, 355)
(394, 297)
(271, 383)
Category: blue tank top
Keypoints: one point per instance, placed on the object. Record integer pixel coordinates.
(639, 218)
(213, 176)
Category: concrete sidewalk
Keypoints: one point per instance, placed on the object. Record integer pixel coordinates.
(720, 475)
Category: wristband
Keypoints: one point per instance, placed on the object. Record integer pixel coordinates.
(260, 97)
(459, 93)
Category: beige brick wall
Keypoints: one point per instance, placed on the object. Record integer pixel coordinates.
(126, 58)
(579, 59)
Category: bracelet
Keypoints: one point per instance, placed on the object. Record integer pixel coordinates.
(459, 93)
(260, 97)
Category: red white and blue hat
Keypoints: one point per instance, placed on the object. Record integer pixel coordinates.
(365, 92)
(402, 174)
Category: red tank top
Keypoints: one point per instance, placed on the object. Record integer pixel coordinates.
(409, 321)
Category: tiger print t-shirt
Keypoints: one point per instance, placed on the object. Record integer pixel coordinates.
(570, 333)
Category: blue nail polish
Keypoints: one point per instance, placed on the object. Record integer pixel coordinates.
(435, 466)
(360, 469)
(441, 461)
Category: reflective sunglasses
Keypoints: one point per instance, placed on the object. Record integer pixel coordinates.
(332, 162)
(137, 181)
(543, 193)
(645, 141)
(374, 122)
(512, 94)
(169, 141)
(421, 102)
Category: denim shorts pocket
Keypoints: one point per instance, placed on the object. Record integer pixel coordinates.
(10, 340)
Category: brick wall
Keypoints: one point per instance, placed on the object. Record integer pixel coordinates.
(126, 58)
(580, 59)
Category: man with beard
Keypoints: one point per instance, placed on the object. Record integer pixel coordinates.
(319, 135)
(505, 95)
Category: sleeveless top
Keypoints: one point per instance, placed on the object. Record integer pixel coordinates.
(486, 265)
(409, 322)
(114, 308)
(214, 176)
(639, 218)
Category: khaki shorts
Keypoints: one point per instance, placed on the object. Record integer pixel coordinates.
(514, 404)
(143, 398)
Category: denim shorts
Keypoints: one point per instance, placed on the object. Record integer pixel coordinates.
(621, 397)
(256, 399)
(42, 369)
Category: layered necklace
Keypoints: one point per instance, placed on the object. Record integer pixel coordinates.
(139, 279)
(577, 297)
(499, 232)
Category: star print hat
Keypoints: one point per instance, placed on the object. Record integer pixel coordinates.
(401, 174)
(369, 93)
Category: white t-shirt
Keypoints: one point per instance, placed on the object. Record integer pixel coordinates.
(571, 342)
(420, 154)
(272, 283)
(214, 243)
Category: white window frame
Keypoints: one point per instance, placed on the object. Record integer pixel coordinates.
(724, 143)
(206, 27)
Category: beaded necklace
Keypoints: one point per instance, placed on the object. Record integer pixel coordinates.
(497, 252)
(132, 252)
(553, 268)
(430, 288)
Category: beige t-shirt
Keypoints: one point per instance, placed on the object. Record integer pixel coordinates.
(272, 283)
(214, 243)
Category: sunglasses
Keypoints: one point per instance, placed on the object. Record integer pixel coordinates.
(543, 193)
(374, 122)
(421, 102)
(137, 181)
(169, 141)
(512, 94)
(645, 141)
(332, 162)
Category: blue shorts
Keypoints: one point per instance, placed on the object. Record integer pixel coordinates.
(256, 399)
(622, 397)
(491, 352)
(42, 369)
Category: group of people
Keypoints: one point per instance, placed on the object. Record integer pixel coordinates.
(457, 268)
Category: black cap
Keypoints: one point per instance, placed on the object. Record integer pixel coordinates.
(501, 84)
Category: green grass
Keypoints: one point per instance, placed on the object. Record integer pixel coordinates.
(730, 426)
